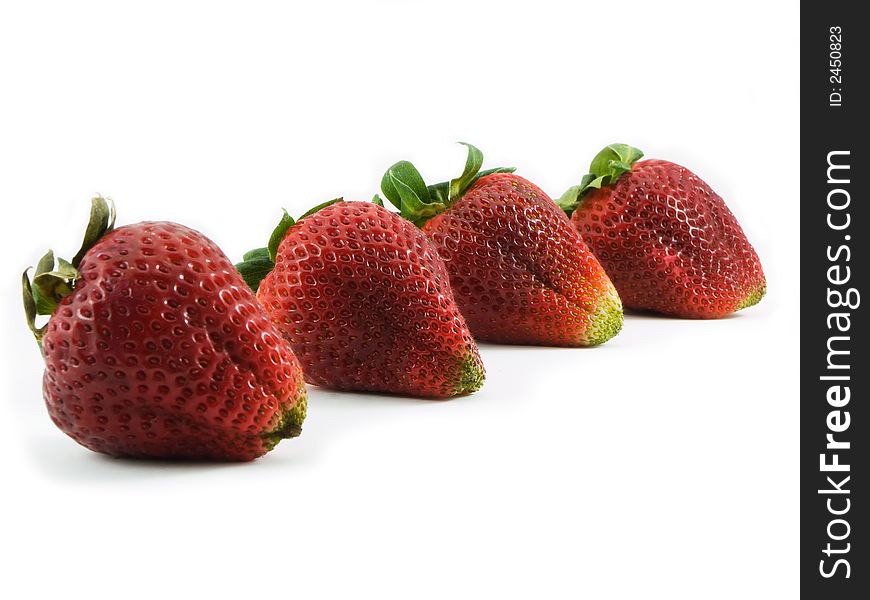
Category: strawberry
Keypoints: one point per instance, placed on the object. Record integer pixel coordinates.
(666, 239)
(519, 271)
(156, 348)
(365, 301)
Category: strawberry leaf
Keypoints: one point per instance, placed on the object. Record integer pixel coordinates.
(54, 278)
(254, 270)
(405, 188)
(256, 254)
(30, 308)
(257, 263)
(571, 198)
(320, 206)
(45, 264)
(613, 161)
(403, 183)
(473, 162)
(606, 168)
(284, 224)
(102, 221)
(53, 287)
(486, 172)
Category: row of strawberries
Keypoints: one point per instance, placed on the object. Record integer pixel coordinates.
(157, 346)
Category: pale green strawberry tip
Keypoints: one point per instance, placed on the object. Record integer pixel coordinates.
(606, 321)
(471, 375)
(290, 422)
(754, 297)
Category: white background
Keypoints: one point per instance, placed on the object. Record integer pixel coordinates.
(661, 465)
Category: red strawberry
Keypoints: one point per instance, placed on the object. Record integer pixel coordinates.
(365, 301)
(519, 271)
(156, 348)
(666, 239)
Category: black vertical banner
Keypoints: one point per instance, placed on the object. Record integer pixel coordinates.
(834, 369)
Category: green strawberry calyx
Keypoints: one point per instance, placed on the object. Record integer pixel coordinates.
(54, 278)
(607, 166)
(417, 202)
(258, 263)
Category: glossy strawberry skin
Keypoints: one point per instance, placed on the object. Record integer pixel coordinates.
(519, 271)
(162, 351)
(670, 244)
(365, 301)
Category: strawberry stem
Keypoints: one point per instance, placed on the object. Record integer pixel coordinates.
(607, 166)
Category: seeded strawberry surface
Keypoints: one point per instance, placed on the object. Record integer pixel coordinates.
(365, 301)
(670, 244)
(162, 351)
(519, 271)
